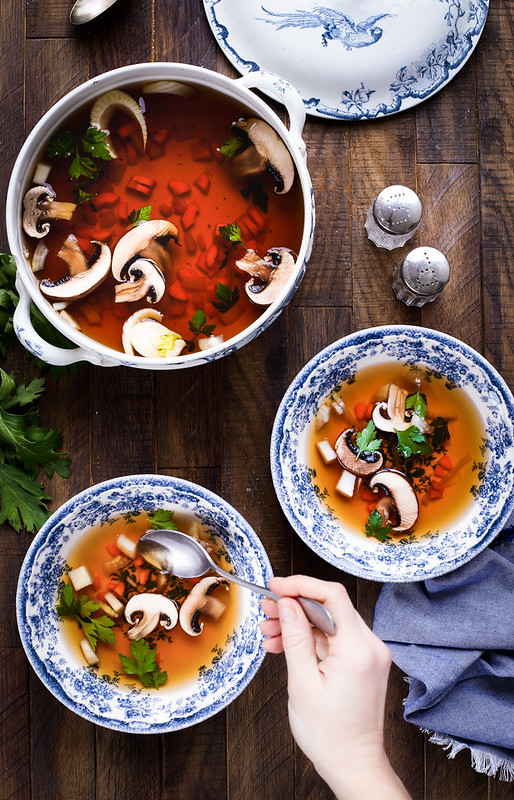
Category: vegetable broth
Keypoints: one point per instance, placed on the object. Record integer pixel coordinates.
(466, 437)
(184, 134)
(181, 655)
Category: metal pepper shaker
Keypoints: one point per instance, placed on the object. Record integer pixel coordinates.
(393, 217)
(421, 276)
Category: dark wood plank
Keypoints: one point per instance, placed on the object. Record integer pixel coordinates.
(122, 36)
(14, 717)
(182, 34)
(495, 121)
(49, 20)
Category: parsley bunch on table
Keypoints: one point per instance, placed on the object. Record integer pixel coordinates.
(25, 447)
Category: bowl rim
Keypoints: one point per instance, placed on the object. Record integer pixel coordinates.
(131, 75)
(378, 333)
(157, 481)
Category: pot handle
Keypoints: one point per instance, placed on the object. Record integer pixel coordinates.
(286, 94)
(35, 344)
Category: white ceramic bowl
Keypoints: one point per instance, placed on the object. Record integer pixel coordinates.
(58, 666)
(439, 551)
(26, 283)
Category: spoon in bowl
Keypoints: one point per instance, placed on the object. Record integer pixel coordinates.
(86, 10)
(179, 554)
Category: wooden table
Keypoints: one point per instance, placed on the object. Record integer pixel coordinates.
(212, 424)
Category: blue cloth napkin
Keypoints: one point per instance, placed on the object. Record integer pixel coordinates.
(453, 636)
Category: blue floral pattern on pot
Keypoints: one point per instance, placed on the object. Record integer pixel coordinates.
(391, 59)
(125, 708)
(438, 551)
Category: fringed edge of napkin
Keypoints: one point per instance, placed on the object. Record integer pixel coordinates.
(486, 763)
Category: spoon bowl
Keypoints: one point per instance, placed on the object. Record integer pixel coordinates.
(85, 10)
(178, 554)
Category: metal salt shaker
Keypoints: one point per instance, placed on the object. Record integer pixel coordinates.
(421, 276)
(393, 217)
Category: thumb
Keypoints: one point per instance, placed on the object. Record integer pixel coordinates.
(297, 641)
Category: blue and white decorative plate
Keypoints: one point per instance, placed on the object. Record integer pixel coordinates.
(120, 707)
(426, 556)
(351, 59)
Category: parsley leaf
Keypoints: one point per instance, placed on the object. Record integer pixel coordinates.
(412, 442)
(232, 232)
(233, 144)
(375, 527)
(83, 197)
(94, 142)
(227, 297)
(82, 608)
(418, 402)
(8, 303)
(25, 446)
(198, 324)
(162, 519)
(142, 664)
(61, 144)
(365, 440)
(142, 214)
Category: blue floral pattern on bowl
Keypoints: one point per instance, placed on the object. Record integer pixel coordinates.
(120, 707)
(439, 551)
(354, 64)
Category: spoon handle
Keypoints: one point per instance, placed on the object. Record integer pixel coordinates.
(316, 613)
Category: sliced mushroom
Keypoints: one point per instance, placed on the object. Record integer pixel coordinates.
(397, 487)
(71, 252)
(146, 611)
(151, 339)
(391, 415)
(82, 284)
(199, 602)
(366, 464)
(133, 245)
(39, 207)
(168, 87)
(145, 279)
(105, 106)
(267, 150)
(281, 265)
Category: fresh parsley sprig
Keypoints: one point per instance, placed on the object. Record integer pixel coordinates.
(142, 214)
(198, 324)
(232, 232)
(234, 143)
(8, 302)
(411, 442)
(227, 297)
(85, 152)
(375, 527)
(366, 441)
(418, 402)
(162, 519)
(82, 608)
(142, 664)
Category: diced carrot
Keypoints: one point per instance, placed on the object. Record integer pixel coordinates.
(212, 256)
(178, 187)
(113, 550)
(250, 224)
(437, 486)
(360, 410)
(445, 462)
(371, 506)
(95, 586)
(144, 574)
(126, 130)
(130, 153)
(161, 136)
(139, 560)
(177, 291)
(190, 243)
(191, 279)
(201, 262)
(201, 151)
(188, 218)
(154, 149)
(104, 200)
(141, 185)
(434, 494)
(178, 206)
(111, 585)
(368, 494)
(91, 233)
(144, 181)
(203, 182)
(257, 216)
(165, 210)
(123, 211)
(202, 244)
(439, 472)
(369, 410)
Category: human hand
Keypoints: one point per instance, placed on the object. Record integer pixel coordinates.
(337, 687)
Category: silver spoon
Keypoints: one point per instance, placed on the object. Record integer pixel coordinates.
(86, 10)
(181, 555)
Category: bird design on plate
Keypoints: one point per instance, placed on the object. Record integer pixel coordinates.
(337, 25)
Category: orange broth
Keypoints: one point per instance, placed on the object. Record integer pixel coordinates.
(182, 656)
(466, 435)
(184, 134)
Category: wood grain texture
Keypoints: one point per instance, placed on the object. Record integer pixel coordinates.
(213, 424)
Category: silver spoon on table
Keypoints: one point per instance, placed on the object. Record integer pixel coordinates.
(179, 554)
(86, 10)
